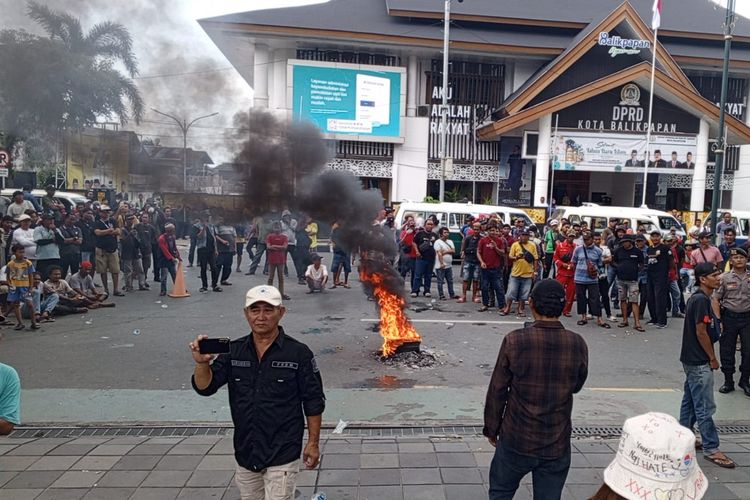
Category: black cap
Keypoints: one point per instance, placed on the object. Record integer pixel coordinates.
(705, 235)
(655, 231)
(315, 257)
(48, 217)
(640, 237)
(628, 237)
(738, 251)
(548, 289)
(704, 269)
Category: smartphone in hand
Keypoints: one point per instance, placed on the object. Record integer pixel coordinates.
(214, 346)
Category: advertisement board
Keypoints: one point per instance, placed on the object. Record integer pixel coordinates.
(605, 152)
(347, 101)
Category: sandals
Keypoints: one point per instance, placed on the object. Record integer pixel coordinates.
(581, 322)
(483, 308)
(35, 327)
(503, 313)
(623, 325)
(477, 300)
(19, 327)
(605, 326)
(461, 300)
(639, 329)
(721, 460)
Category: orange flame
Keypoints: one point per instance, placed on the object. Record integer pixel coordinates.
(395, 327)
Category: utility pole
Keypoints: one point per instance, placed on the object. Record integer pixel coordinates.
(444, 107)
(184, 127)
(721, 141)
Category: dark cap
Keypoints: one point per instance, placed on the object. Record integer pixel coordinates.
(640, 237)
(315, 257)
(655, 231)
(705, 269)
(525, 232)
(48, 217)
(705, 235)
(620, 228)
(738, 251)
(628, 237)
(548, 289)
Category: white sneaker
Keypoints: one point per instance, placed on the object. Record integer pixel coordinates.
(613, 319)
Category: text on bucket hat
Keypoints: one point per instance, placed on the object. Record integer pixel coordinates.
(263, 293)
(656, 455)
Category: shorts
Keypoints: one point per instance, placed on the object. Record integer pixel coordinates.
(107, 262)
(340, 260)
(470, 271)
(628, 291)
(19, 294)
(518, 289)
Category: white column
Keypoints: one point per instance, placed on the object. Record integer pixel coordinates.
(277, 85)
(410, 162)
(698, 189)
(412, 85)
(541, 182)
(742, 176)
(260, 76)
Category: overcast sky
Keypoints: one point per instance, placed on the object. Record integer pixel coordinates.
(181, 70)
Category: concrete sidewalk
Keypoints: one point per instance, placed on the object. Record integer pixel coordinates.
(367, 468)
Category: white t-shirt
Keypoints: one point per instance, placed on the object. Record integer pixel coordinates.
(316, 274)
(447, 257)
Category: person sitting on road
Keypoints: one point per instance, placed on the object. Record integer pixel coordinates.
(82, 283)
(70, 302)
(316, 274)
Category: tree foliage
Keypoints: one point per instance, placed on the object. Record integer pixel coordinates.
(66, 80)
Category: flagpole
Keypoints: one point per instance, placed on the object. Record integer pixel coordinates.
(650, 114)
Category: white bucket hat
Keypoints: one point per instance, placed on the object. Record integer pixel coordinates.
(656, 455)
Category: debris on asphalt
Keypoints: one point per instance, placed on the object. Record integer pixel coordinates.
(416, 360)
(449, 325)
(164, 306)
(136, 332)
(340, 427)
(315, 331)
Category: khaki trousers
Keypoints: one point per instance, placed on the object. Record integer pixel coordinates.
(273, 483)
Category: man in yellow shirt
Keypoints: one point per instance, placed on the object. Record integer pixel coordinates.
(525, 261)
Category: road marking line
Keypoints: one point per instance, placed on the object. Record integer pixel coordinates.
(630, 389)
(488, 322)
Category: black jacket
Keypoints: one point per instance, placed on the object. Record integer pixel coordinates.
(268, 399)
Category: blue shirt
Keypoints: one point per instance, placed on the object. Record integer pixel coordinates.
(50, 250)
(579, 259)
(10, 395)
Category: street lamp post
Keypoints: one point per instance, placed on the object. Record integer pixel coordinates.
(184, 127)
(721, 142)
(444, 106)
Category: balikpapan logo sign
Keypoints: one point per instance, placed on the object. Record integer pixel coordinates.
(618, 45)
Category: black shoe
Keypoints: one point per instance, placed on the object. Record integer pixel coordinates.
(217, 289)
(286, 297)
(726, 388)
(249, 273)
(745, 386)
(203, 289)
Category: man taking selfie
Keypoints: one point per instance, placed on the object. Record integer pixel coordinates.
(273, 381)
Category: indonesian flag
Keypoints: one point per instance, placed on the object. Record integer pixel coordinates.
(656, 19)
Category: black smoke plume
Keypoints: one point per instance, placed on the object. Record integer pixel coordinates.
(283, 165)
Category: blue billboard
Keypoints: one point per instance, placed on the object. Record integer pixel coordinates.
(342, 101)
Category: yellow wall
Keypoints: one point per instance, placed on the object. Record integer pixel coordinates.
(111, 149)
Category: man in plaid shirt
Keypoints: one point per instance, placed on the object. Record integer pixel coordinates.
(530, 399)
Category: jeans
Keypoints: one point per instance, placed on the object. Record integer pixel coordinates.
(492, 283)
(688, 279)
(422, 275)
(698, 405)
(518, 289)
(604, 297)
(86, 256)
(167, 267)
(508, 468)
(41, 305)
(259, 251)
(734, 327)
(206, 261)
(191, 250)
(611, 277)
(70, 262)
(224, 265)
(133, 268)
(442, 276)
(675, 294)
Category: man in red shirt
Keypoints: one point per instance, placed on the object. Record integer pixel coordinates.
(563, 258)
(491, 254)
(408, 254)
(276, 245)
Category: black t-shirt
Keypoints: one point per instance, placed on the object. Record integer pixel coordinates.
(698, 310)
(470, 248)
(106, 243)
(425, 241)
(628, 263)
(658, 260)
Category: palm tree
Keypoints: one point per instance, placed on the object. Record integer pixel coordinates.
(98, 51)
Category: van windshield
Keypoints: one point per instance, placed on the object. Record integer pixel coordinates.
(669, 222)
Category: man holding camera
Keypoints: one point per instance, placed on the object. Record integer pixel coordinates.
(274, 383)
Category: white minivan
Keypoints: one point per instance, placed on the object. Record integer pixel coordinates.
(598, 217)
(740, 219)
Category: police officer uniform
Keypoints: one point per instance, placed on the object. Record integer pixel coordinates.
(733, 295)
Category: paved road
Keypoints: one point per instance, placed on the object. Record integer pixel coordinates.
(94, 368)
(434, 467)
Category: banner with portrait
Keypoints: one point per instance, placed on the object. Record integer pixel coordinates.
(607, 152)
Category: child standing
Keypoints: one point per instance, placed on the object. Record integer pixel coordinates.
(20, 282)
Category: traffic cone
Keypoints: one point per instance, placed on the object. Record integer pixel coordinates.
(179, 290)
